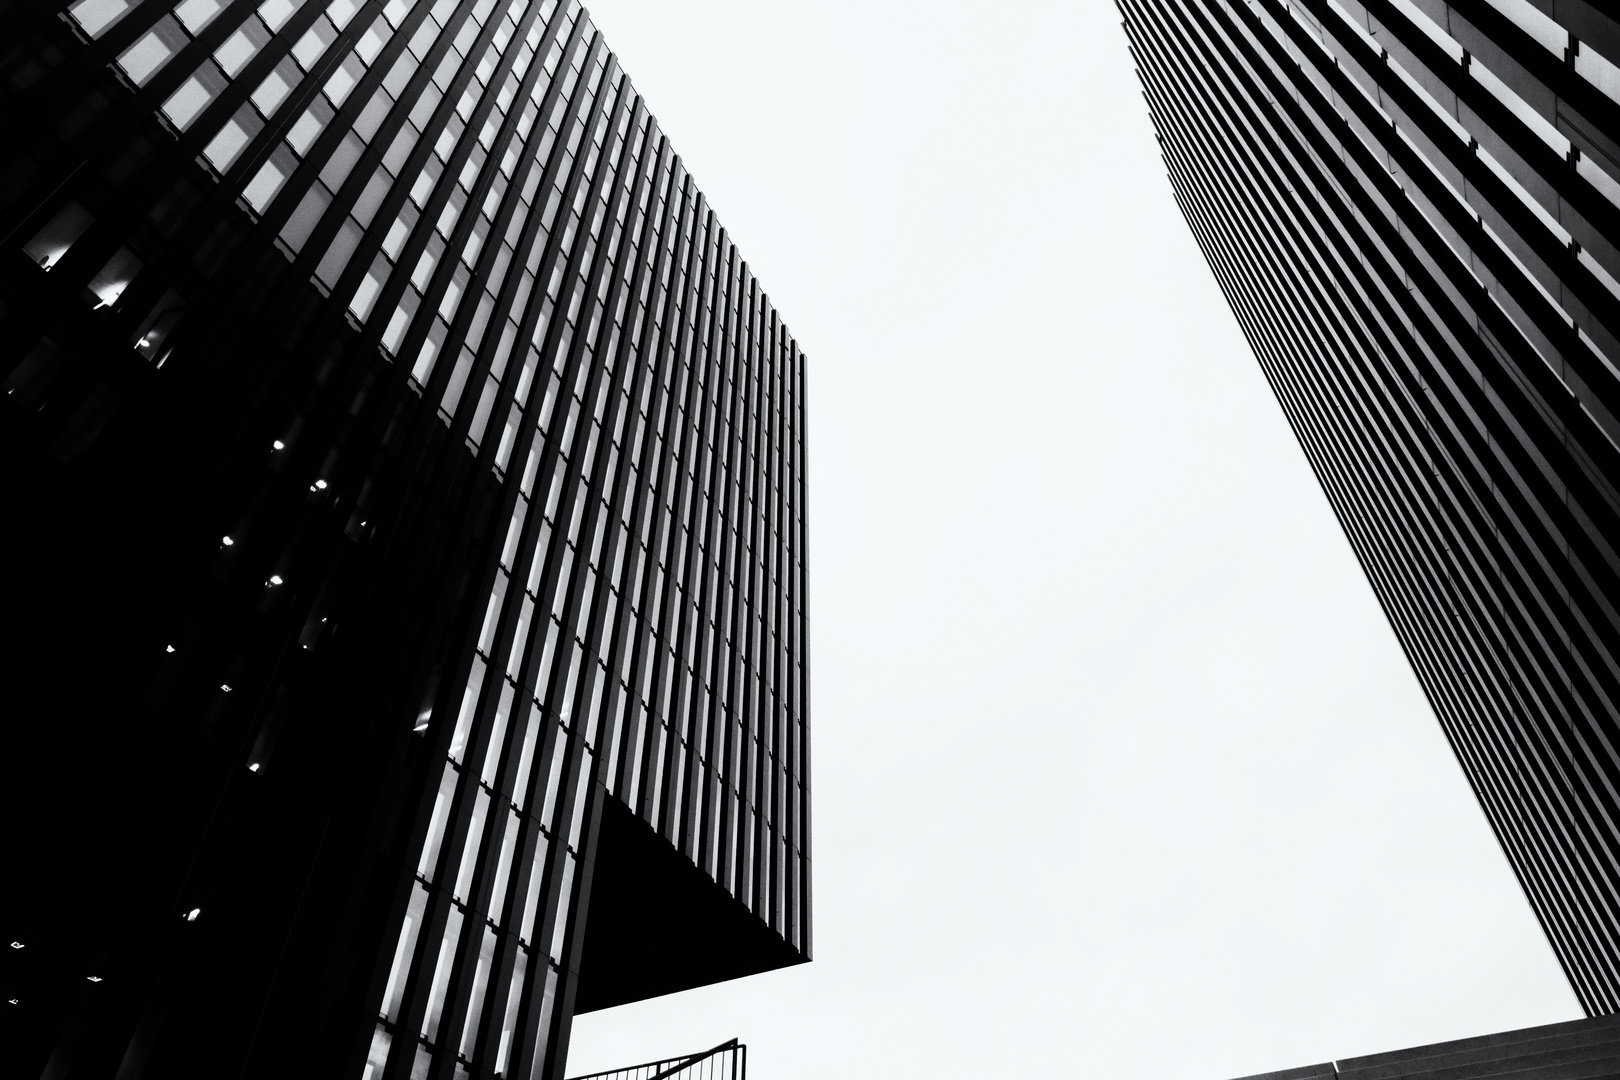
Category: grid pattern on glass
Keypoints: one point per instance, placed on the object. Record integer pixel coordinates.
(488, 233)
(321, 147)
(654, 401)
(309, 114)
(1411, 210)
(650, 363)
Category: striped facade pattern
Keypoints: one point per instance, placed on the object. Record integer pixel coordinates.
(492, 242)
(1413, 207)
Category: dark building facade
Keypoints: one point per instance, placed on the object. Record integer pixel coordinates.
(1413, 208)
(404, 496)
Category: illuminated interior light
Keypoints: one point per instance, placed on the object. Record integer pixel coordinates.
(275, 579)
(225, 687)
(114, 277)
(278, 445)
(253, 767)
(320, 485)
(93, 978)
(168, 648)
(227, 541)
(11, 1001)
(59, 234)
(16, 944)
(191, 916)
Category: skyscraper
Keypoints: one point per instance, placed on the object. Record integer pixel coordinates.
(1412, 207)
(405, 492)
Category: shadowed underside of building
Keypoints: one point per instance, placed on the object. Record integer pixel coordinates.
(405, 530)
(1413, 208)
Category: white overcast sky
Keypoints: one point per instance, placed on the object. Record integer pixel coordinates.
(1119, 771)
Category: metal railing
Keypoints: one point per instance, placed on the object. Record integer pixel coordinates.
(728, 1061)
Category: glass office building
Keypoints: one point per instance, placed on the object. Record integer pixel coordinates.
(406, 490)
(1413, 208)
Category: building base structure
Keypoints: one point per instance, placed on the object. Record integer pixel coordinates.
(728, 1061)
(1577, 1050)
